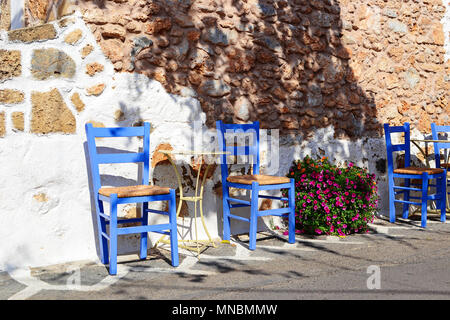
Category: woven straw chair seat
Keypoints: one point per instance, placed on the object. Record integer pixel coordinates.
(134, 191)
(260, 178)
(417, 170)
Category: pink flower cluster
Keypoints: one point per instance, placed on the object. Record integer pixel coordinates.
(332, 200)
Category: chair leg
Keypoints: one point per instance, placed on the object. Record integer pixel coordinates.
(226, 215)
(113, 236)
(173, 229)
(103, 241)
(424, 199)
(406, 198)
(253, 216)
(443, 201)
(144, 235)
(391, 200)
(292, 212)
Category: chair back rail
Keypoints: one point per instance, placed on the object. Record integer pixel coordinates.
(438, 146)
(391, 148)
(238, 131)
(126, 157)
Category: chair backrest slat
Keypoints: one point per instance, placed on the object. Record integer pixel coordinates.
(391, 148)
(120, 158)
(438, 146)
(250, 130)
(117, 132)
(96, 158)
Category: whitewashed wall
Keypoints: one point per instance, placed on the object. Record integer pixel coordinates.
(62, 229)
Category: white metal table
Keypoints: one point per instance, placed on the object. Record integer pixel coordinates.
(192, 244)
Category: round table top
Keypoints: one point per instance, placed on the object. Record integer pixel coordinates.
(430, 140)
(192, 152)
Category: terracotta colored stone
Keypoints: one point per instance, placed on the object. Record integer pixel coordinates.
(50, 113)
(201, 164)
(290, 59)
(438, 34)
(158, 158)
(95, 90)
(113, 31)
(157, 25)
(93, 68)
(113, 49)
(240, 61)
(193, 35)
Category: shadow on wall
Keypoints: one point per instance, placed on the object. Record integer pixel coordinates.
(279, 62)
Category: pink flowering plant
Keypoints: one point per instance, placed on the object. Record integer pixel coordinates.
(332, 200)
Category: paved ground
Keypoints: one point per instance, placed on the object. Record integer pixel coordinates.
(393, 261)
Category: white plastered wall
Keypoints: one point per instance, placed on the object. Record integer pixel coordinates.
(63, 228)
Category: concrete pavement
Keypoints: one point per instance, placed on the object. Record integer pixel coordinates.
(393, 261)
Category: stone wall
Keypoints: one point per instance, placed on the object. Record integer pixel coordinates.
(295, 65)
(327, 73)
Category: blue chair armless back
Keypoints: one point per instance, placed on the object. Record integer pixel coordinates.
(227, 134)
(391, 148)
(96, 158)
(438, 146)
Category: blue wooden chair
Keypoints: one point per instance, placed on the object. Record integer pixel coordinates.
(129, 194)
(255, 183)
(444, 147)
(407, 173)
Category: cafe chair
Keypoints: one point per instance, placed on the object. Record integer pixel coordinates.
(408, 172)
(442, 162)
(143, 193)
(255, 182)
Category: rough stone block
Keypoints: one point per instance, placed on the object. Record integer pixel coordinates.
(10, 64)
(95, 90)
(47, 63)
(93, 68)
(5, 16)
(2, 124)
(18, 121)
(11, 96)
(215, 88)
(42, 32)
(77, 102)
(51, 114)
(86, 50)
(73, 37)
